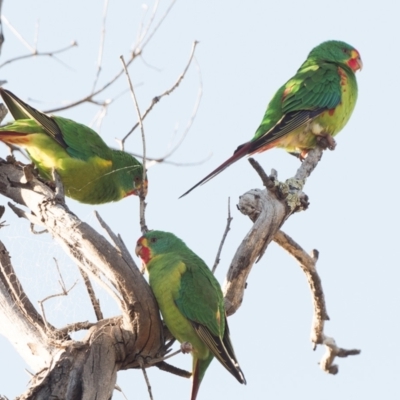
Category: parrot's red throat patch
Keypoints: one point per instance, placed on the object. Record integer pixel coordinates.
(355, 62)
(142, 250)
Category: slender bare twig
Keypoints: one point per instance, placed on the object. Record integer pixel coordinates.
(188, 126)
(267, 181)
(166, 93)
(143, 32)
(308, 265)
(37, 53)
(95, 301)
(142, 194)
(64, 292)
(135, 53)
(116, 387)
(101, 47)
(228, 227)
(143, 42)
(17, 34)
(173, 370)
(152, 161)
(146, 378)
(35, 232)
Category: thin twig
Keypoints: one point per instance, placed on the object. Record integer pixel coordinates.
(142, 45)
(166, 93)
(17, 34)
(64, 292)
(143, 32)
(95, 301)
(158, 360)
(142, 194)
(39, 54)
(173, 370)
(137, 52)
(228, 227)
(101, 47)
(267, 181)
(146, 378)
(116, 387)
(190, 122)
(150, 161)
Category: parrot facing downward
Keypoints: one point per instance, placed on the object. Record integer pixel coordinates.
(90, 171)
(317, 102)
(190, 301)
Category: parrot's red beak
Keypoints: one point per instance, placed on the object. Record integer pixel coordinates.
(355, 62)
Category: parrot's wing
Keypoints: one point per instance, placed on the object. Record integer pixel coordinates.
(78, 140)
(308, 94)
(200, 300)
(20, 110)
(82, 142)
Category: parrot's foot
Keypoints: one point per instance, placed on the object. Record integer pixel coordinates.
(186, 347)
(326, 141)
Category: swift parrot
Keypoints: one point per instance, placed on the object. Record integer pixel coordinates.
(90, 171)
(191, 302)
(315, 103)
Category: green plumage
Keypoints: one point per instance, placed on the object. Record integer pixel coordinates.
(90, 171)
(317, 102)
(190, 300)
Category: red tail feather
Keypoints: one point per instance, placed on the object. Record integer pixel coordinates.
(16, 138)
(196, 382)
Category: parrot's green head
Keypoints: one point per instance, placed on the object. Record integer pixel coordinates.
(337, 52)
(129, 172)
(155, 243)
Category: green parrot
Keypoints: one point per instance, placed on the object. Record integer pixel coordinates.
(90, 171)
(190, 301)
(316, 103)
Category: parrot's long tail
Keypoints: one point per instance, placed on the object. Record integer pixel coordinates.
(199, 369)
(239, 153)
(243, 150)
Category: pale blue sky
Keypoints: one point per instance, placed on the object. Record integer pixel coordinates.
(246, 51)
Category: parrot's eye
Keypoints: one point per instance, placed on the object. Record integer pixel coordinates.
(346, 51)
(153, 240)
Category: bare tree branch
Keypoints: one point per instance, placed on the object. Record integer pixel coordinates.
(308, 265)
(268, 209)
(19, 320)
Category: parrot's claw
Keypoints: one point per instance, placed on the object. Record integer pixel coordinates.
(186, 347)
(326, 142)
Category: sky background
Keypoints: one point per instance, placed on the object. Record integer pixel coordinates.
(247, 51)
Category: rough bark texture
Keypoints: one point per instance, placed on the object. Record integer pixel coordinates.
(110, 345)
